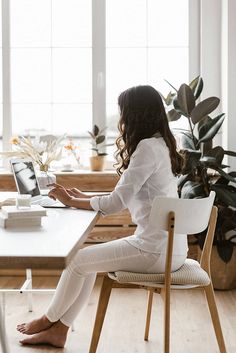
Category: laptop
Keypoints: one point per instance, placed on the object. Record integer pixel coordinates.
(27, 183)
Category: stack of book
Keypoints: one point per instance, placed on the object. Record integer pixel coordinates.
(12, 217)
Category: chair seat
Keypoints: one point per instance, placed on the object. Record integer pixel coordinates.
(189, 274)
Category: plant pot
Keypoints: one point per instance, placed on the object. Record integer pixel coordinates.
(97, 163)
(223, 274)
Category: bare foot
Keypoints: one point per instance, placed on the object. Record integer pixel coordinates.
(35, 326)
(54, 336)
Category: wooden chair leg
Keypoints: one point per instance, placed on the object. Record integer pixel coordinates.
(148, 316)
(215, 317)
(165, 294)
(101, 312)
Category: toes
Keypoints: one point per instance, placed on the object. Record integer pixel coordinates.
(23, 330)
(25, 341)
(21, 327)
(32, 340)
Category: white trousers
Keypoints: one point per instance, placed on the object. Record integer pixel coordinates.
(77, 280)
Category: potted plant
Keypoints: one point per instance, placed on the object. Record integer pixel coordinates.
(97, 161)
(204, 170)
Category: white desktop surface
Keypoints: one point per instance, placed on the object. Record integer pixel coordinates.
(50, 246)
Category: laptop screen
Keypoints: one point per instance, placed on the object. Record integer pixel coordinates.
(25, 178)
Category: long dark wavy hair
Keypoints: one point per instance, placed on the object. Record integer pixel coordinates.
(142, 114)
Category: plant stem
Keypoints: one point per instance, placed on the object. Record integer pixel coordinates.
(191, 130)
(203, 174)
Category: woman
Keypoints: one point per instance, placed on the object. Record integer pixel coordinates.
(148, 164)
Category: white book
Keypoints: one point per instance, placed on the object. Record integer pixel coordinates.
(19, 222)
(14, 212)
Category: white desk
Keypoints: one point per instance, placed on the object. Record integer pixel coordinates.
(51, 246)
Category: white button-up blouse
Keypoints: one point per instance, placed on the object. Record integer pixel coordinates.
(148, 175)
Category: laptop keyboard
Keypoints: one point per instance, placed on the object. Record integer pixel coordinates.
(44, 202)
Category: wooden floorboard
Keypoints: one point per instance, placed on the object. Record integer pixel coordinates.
(124, 325)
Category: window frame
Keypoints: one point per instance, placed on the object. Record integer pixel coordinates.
(98, 61)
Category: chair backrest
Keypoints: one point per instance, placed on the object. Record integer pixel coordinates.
(191, 215)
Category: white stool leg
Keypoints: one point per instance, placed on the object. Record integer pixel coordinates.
(3, 337)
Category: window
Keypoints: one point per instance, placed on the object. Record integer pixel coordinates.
(51, 65)
(70, 59)
(146, 43)
(1, 122)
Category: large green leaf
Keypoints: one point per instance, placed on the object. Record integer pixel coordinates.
(226, 194)
(193, 84)
(188, 141)
(208, 161)
(100, 139)
(192, 190)
(203, 126)
(216, 152)
(176, 105)
(210, 129)
(173, 115)
(207, 146)
(223, 166)
(95, 130)
(223, 180)
(230, 153)
(186, 99)
(191, 160)
(204, 108)
(226, 220)
(197, 86)
(203, 121)
(225, 250)
(224, 175)
(183, 179)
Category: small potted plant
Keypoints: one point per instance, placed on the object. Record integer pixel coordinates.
(97, 161)
(204, 170)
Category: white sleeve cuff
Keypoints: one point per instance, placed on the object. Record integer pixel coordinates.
(94, 203)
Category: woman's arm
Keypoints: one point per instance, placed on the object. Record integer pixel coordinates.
(80, 203)
(76, 192)
(60, 193)
(142, 165)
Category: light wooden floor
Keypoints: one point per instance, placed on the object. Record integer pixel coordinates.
(124, 325)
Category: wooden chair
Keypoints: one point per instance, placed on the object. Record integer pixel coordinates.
(180, 216)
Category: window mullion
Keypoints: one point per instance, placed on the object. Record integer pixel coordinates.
(99, 62)
(6, 75)
(194, 38)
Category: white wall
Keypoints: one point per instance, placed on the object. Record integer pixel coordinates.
(218, 64)
(210, 54)
(229, 76)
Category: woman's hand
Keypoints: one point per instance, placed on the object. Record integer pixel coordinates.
(71, 191)
(76, 193)
(60, 193)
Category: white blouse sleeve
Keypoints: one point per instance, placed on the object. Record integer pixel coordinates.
(142, 165)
